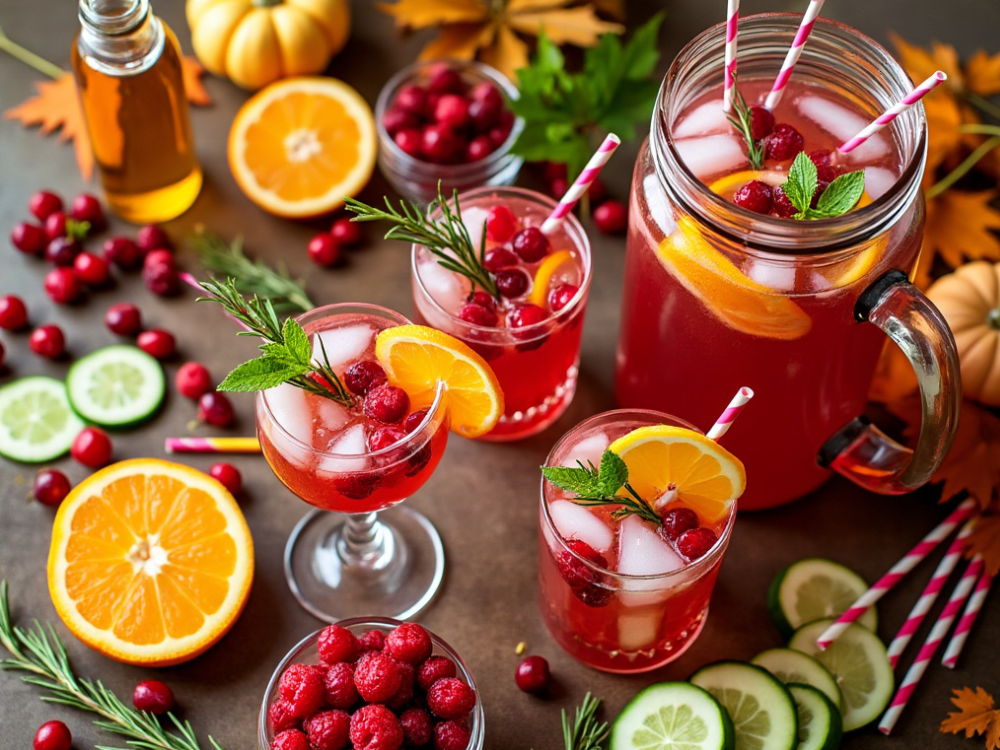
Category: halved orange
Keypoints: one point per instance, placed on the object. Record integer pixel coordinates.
(705, 476)
(416, 358)
(151, 562)
(300, 146)
(544, 275)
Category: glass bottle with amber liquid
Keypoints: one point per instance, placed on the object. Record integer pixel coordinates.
(128, 70)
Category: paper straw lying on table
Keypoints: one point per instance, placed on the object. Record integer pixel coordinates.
(893, 112)
(726, 419)
(212, 445)
(732, 26)
(580, 185)
(801, 36)
(972, 608)
(930, 647)
(896, 573)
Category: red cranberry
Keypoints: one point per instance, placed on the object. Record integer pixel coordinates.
(531, 244)
(483, 115)
(386, 403)
(55, 225)
(123, 252)
(358, 485)
(438, 143)
(597, 191)
(62, 251)
(555, 171)
(761, 122)
(384, 437)
(152, 237)
(446, 81)
(397, 119)
(823, 159)
(63, 286)
(452, 110)
(498, 258)
(215, 409)
(123, 319)
(501, 131)
(28, 238)
(346, 232)
(694, 543)
(558, 187)
(479, 148)
(153, 696)
(611, 217)
(478, 315)
(159, 257)
(579, 577)
(486, 91)
(324, 250)
(193, 380)
(47, 341)
(3, 355)
(409, 140)
(821, 186)
(526, 315)
(410, 99)
(161, 279)
(754, 196)
(676, 522)
(500, 224)
(783, 143)
(91, 269)
(430, 104)
(53, 735)
(532, 675)
(561, 296)
(362, 375)
(92, 447)
(782, 205)
(51, 487)
(43, 204)
(157, 343)
(228, 476)
(485, 299)
(86, 207)
(512, 283)
(13, 313)
(414, 420)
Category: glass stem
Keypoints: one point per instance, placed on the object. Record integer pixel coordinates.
(363, 541)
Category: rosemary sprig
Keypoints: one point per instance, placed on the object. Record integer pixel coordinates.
(41, 654)
(251, 276)
(447, 239)
(288, 355)
(743, 123)
(601, 486)
(586, 733)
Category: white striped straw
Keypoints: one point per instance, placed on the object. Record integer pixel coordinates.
(930, 595)
(890, 114)
(972, 608)
(801, 36)
(732, 25)
(726, 419)
(909, 561)
(580, 185)
(930, 647)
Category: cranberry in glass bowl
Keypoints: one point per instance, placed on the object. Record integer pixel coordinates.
(447, 121)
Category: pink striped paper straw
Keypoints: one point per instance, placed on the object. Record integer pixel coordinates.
(801, 36)
(930, 647)
(893, 112)
(732, 25)
(726, 419)
(972, 608)
(579, 187)
(212, 445)
(930, 595)
(897, 571)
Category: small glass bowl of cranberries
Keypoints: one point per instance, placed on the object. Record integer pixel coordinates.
(338, 680)
(446, 121)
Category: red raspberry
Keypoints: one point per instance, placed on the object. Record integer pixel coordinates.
(193, 380)
(438, 143)
(152, 695)
(384, 437)
(51, 487)
(409, 141)
(324, 250)
(512, 283)
(823, 159)
(452, 110)
(676, 522)
(337, 644)
(280, 718)
(53, 735)
(377, 677)
(821, 185)
(498, 259)
(611, 217)
(403, 696)
(531, 245)
(47, 341)
(409, 643)
(561, 296)
(13, 313)
(123, 252)
(92, 447)
(754, 196)
(228, 476)
(301, 688)
(30, 239)
(532, 675)
(62, 251)
(500, 224)
(339, 686)
(783, 207)
(290, 739)
(397, 119)
(411, 99)
(414, 420)
(451, 735)
(86, 207)
(783, 143)
(375, 728)
(157, 343)
(479, 148)
(526, 315)
(418, 727)
(434, 669)
(152, 237)
(214, 408)
(450, 698)
(91, 269)
(386, 403)
(346, 232)
(583, 581)
(373, 640)
(43, 203)
(694, 543)
(123, 319)
(761, 122)
(478, 315)
(328, 730)
(362, 375)
(446, 81)
(357, 485)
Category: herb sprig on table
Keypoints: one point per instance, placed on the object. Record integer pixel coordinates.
(586, 733)
(840, 196)
(41, 654)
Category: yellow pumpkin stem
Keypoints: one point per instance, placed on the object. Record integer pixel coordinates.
(993, 318)
(267, 3)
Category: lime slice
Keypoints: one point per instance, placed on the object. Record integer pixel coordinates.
(36, 421)
(820, 725)
(116, 386)
(814, 588)
(672, 716)
(794, 666)
(858, 662)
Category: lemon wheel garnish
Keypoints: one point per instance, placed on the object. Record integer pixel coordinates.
(416, 358)
(543, 276)
(707, 478)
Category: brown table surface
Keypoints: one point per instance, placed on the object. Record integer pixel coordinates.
(483, 498)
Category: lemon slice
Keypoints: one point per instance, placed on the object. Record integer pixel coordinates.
(708, 478)
(416, 358)
(544, 275)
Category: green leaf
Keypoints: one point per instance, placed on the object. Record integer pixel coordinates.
(803, 179)
(842, 194)
(296, 341)
(642, 51)
(261, 373)
(583, 482)
(613, 474)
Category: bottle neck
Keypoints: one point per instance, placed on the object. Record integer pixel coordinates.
(119, 37)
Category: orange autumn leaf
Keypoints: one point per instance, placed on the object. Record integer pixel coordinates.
(985, 541)
(460, 41)
(420, 14)
(982, 74)
(944, 116)
(959, 225)
(976, 715)
(921, 64)
(577, 26)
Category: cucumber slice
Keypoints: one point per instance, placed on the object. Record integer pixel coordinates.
(116, 386)
(762, 710)
(794, 666)
(813, 588)
(36, 421)
(673, 716)
(820, 725)
(858, 662)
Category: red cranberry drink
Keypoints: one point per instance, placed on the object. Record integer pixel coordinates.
(735, 274)
(625, 581)
(530, 331)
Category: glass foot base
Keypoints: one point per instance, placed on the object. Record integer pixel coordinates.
(399, 579)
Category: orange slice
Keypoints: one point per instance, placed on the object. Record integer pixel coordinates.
(726, 186)
(417, 358)
(300, 146)
(705, 476)
(151, 562)
(544, 275)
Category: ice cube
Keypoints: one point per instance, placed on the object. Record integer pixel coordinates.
(474, 219)
(659, 207)
(843, 124)
(708, 119)
(780, 278)
(573, 521)
(641, 552)
(447, 288)
(878, 181)
(342, 345)
(591, 448)
(289, 406)
(330, 415)
(713, 155)
(348, 448)
(637, 630)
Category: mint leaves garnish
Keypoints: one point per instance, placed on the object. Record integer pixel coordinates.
(601, 486)
(840, 196)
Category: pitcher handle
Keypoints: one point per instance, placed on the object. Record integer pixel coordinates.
(860, 450)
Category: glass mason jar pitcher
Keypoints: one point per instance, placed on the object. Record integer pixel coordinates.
(717, 297)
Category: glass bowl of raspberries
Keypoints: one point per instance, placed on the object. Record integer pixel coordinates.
(371, 684)
(447, 121)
